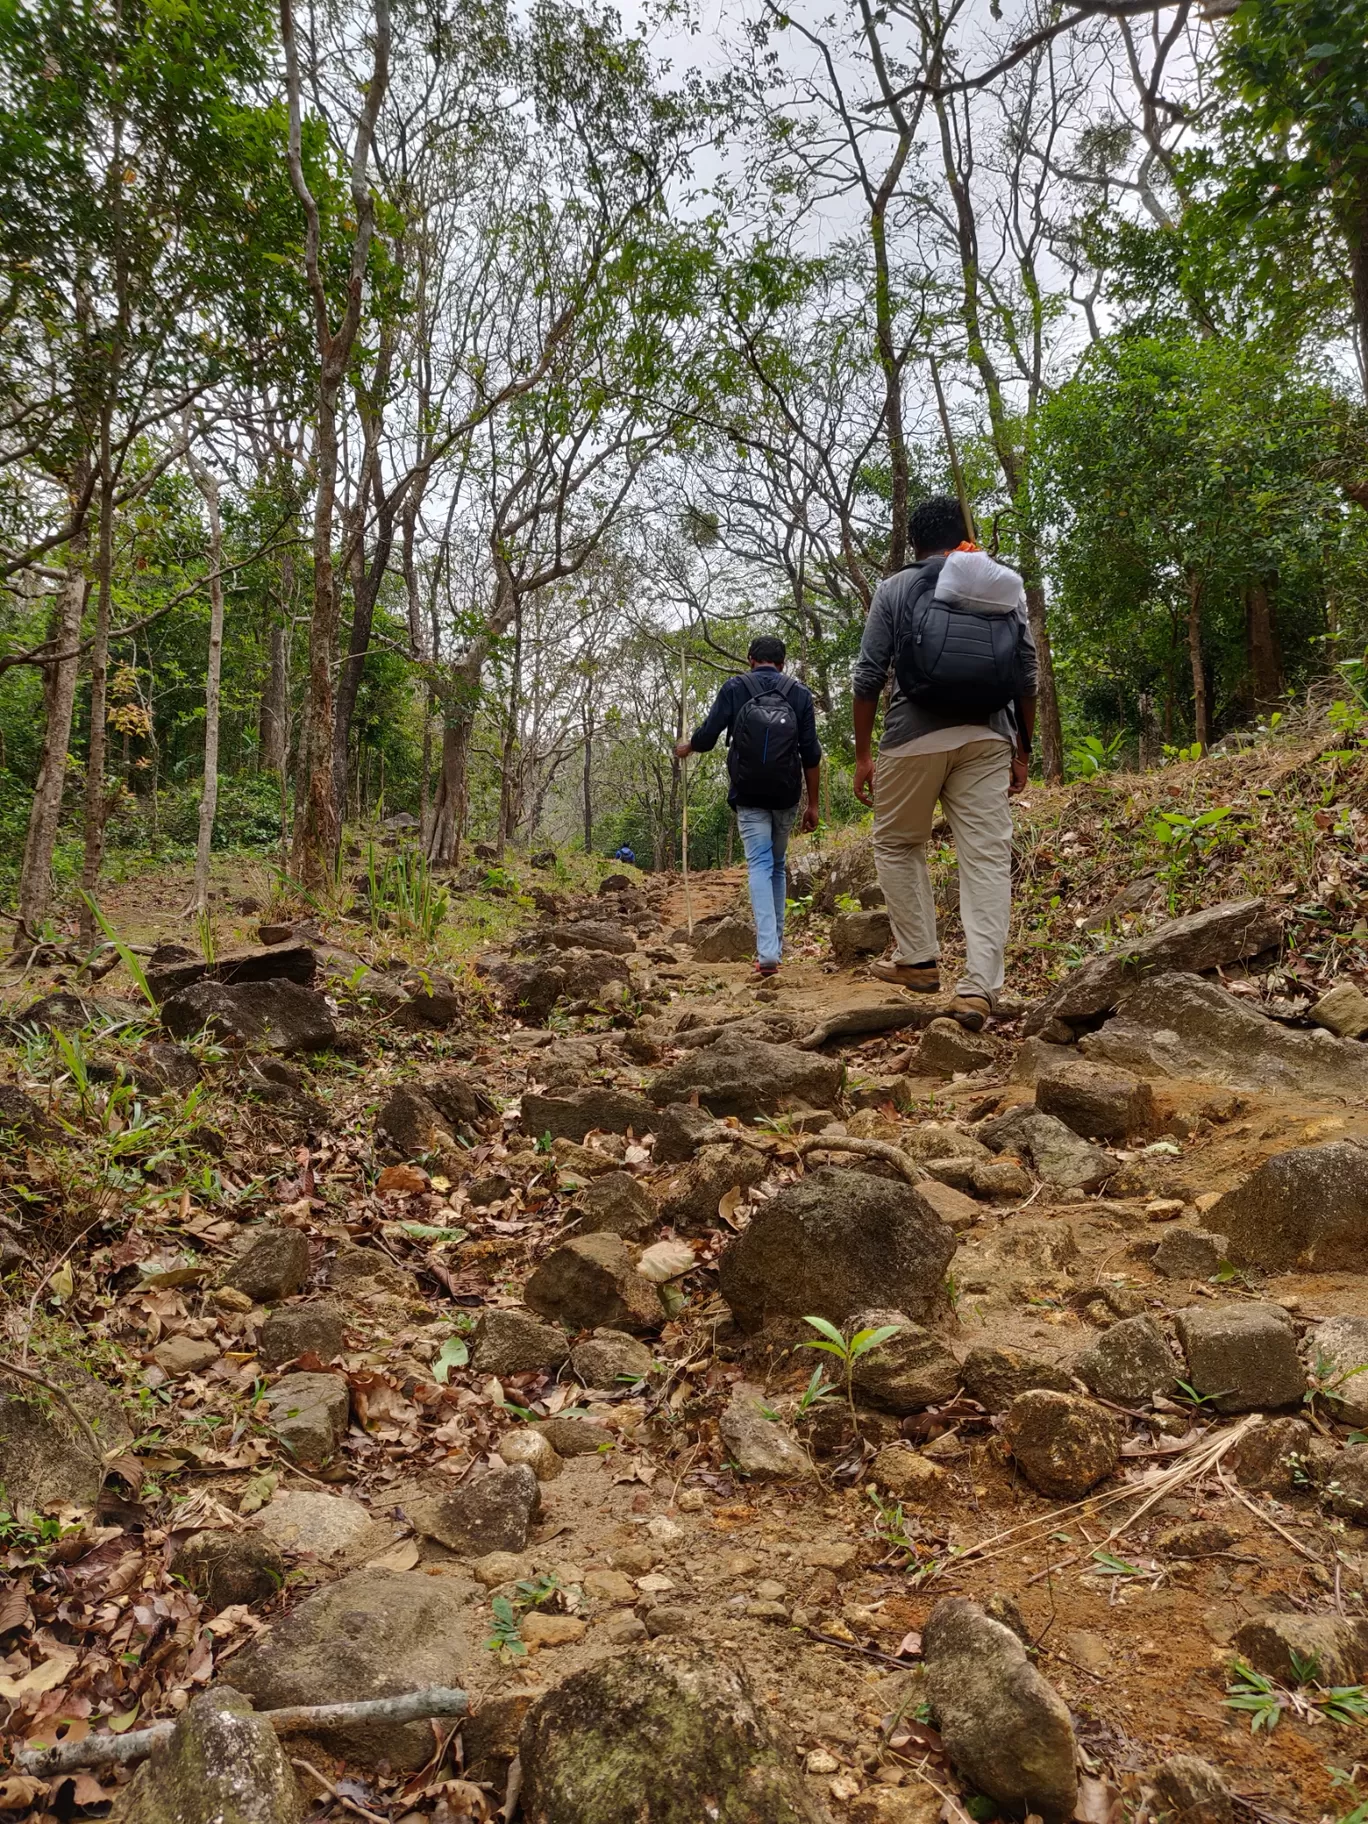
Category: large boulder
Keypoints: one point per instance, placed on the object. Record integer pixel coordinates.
(45, 1453)
(670, 1736)
(1245, 1355)
(833, 1244)
(1180, 1026)
(1204, 940)
(370, 1634)
(1129, 1363)
(492, 1513)
(613, 1111)
(593, 1281)
(1055, 1152)
(223, 1764)
(1004, 1727)
(742, 1076)
(1339, 1359)
(1098, 1101)
(1063, 1443)
(279, 1016)
(911, 1370)
(1306, 1208)
(691, 1198)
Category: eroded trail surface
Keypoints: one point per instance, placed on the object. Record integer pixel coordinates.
(452, 1330)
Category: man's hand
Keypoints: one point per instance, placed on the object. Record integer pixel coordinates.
(1020, 768)
(864, 779)
(810, 817)
(683, 749)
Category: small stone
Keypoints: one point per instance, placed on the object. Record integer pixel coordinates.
(609, 1359)
(1129, 1363)
(542, 1630)
(1189, 1254)
(839, 1557)
(948, 1050)
(496, 1568)
(618, 1205)
(572, 1436)
(515, 1342)
(593, 1281)
(1337, 1647)
(1266, 1455)
(667, 1618)
(955, 1210)
(527, 1445)
(677, 1128)
(184, 1355)
(1164, 1209)
(1246, 1355)
(625, 1631)
(994, 1377)
(1196, 1539)
(1063, 1443)
(603, 1584)
(300, 1520)
(583, 1111)
(1002, 1180)
(297, 1330)
(309, 1413)
(1339, 1358)
(857, 934)
(760, 1447)
(1060, 1156)
(904, 1473)
(1188, 1790)
(691, 1198)
(911, 1370)
(492, 1513)
(277, 1016)
(738, 1075)
(225, 1567)
(819, 1761)
(1098, 1101)
(273, 1265)
(1343, 1011)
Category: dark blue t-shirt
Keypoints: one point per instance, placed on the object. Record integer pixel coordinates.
(727, 707)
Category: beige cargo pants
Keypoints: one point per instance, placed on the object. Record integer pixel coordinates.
(971, 784)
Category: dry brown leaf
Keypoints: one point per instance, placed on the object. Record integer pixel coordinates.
(45, 1676)
(20, 1791)
(401, 1557)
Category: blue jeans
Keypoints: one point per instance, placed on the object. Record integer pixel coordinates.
(765, 836)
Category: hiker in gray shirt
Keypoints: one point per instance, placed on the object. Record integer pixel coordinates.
(943, 744)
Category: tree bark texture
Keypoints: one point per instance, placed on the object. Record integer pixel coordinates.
(1200, 721)
(96, 795)
(1265, 656)
(207, 483)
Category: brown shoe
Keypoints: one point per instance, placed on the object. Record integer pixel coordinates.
(971, 1010)
(921, 978)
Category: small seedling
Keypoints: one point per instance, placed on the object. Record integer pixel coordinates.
(814, 1393)
(506, 1636)
(848, 1352)
(1189, 1396)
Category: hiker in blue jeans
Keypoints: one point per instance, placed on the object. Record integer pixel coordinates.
(772, 750)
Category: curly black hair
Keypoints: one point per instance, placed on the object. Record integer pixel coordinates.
(936, 524)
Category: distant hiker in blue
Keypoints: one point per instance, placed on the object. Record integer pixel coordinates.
(772, 749)
(625, 854)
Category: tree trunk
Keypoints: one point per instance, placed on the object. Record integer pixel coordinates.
(587, 722)
(207, 484)
(96, 795)
(1200, 726)
(318, 823)
(274, 747)
(448, 810)
(1265, 658)
(59, 697)
(508, 769)
(1048, 724)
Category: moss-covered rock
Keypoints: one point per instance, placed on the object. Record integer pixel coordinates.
(222, 1765)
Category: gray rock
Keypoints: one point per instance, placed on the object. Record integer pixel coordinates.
(275, 1016)
(670, 1734)
(594, 975)
(363, 1272)
(153, 1069)
(947, 1049)
(691, 1197)
(1056, 1153)
(222, 1765)
(572, 1434)
(1099, 1101)
(1266, 1457)
(857, 934)
(433, 1005)
(177, 1355)
(1063, 1443)
(527, 1445)
(1343, 1011)
(955, 1210)
(1204, 940)
(1347, 1487)
(516, 1342)
(1303, 1208)
(1004, 1727)
(593, 1281)
(306, 1520)
(677, 1129)
(1246, 1354)
(225, 1567)
(370, 1634)
(1190, 1254)
(463, 1105)
(492, 1513)
(1180, 1026)
(727, 940)
(760, 1447)
(530, 988)
(835, 1243)
(1339, 1357)
(299, 1330)
(613, 1111)
(1337, 1647)
(1038, 1057)
(584, 934)
(411, 1123)
(63, 1011)
(609, 1358)
(291, 961)
(273, 1265)
(741, 1076)
(994, 1377)
(1129, 1363)
(45, 1455)
(1184, 1789)
(912, 1370)
(308, 1413)
(616, 1204)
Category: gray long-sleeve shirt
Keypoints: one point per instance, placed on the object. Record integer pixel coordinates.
(906, 721)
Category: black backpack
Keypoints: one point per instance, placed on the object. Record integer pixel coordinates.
(959, 660)
(762, 755)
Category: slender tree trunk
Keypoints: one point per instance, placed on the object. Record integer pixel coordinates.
(1265, 658)
(207, 483)
(318, 823)
(448, 811)
(59, 697)
(1200, 724)
(587, 721)
(274, 745)
(96, 794)
(508, 780)
(425, 781)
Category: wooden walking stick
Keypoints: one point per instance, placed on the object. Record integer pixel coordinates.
(684, 786)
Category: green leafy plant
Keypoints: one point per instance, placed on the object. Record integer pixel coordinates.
(1264, 1701)
(1327, 1380)
(848, 1351)
(814, 1393)
(1188, 1395)
(505, 1637)
(402, 895)
(126, 956)
(1089, 756)
(454, 1353)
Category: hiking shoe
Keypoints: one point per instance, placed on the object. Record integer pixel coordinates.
(767, 969)
(971, 1010)
(921, 978)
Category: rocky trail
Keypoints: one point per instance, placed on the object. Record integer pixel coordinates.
(371, 1327)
